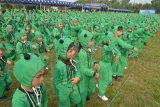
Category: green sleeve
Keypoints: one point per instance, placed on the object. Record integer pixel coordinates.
(116, 52)
(19, 49)
(58, 77)
(124, 44)
(83, 65)
(20, 99)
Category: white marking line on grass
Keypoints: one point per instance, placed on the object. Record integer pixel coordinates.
(119, 90)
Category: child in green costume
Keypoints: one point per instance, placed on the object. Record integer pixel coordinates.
(23, 46)
(41, 48)
(86, 67)
(10, 42)
(65, 75)
(105, 65)
(29, 71)
(5, 78)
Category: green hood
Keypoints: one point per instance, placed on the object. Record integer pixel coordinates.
(38, 34)
(1, 46)
(84, 37)
(8, 26)
(107, 37)
(63, 46)
(26, 68)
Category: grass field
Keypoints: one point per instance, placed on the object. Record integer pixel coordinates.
(139, 87)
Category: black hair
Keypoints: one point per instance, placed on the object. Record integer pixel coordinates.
(71, 45)
(120, 28)
(26, 56)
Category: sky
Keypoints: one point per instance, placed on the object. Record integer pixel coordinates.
(68, 0)
(132, 1)
(140, 1)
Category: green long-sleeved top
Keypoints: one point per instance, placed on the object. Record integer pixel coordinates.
(20, 98)
(85, 63)
(62, 75)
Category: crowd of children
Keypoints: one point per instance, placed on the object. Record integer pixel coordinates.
(27, 36)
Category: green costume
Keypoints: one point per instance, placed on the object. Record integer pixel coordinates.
(74, 31)
(5, 78)
(118, 67)
(10, 43)
(105, 70)
(41, 48)
(64, 70)
(25, 70)
(23, 47)
(86, 63)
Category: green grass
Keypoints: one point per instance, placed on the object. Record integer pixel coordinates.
(139, 87)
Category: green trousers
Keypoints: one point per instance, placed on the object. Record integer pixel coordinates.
(5, 82)
(86, 88)
(105, 79)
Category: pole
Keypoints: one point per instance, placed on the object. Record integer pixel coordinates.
(40, 6)
(65, 8)
(0, 6)
(24, 7)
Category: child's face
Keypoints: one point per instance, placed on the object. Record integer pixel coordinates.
(24, 37)
(97, 30)
(71, 52)
(40, 39)
(10, 30)
(75, 23)
(38, 79)
(90, 43)
(119, 33)
(28, 28)
(60, 25)
(1, 53)
(42, 23)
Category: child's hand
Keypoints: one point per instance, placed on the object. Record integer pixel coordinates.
(1, 73)
(34, 46)
(116, 59)
(97, 76)
(33, 31)
(46, 57)
(9, 62)
(75, 80)
(135, 49)
(129, 52)
(96, 67)
(118, 33)
(51, 45)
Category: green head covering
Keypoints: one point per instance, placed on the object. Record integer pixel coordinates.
(38, 34)
(115, 28)
(97, 28)
(107, 37)
(59, 21)
(8, 26)
(64, 44)
(84, 37)
(26, 68)
(1, 47)
(21, 33)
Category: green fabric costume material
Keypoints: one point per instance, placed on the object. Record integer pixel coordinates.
(29, 68)
(85, 58)
(62, 75)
